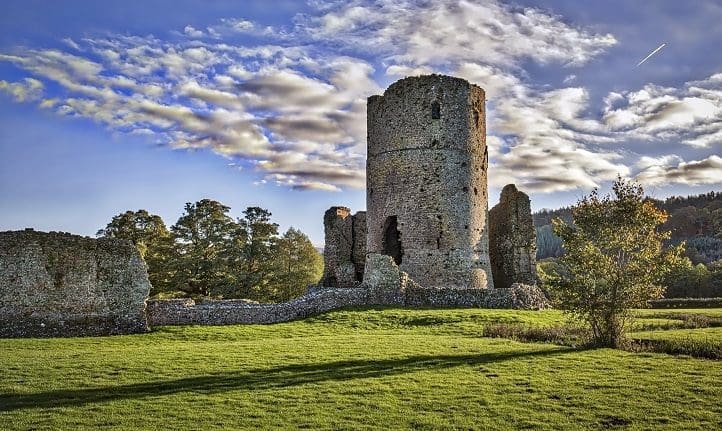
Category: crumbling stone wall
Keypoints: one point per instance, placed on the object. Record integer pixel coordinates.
(384, 284)
(229, 312)
(512, 239)
(58, 284)
(344, 251)
(427, 180)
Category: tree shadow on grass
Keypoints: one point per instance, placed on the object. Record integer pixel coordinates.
(264, 378)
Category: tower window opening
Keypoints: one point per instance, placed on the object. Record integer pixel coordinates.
(435, 111)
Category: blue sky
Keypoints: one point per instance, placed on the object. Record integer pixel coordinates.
(109, 106)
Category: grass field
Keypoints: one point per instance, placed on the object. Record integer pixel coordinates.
(370, 369)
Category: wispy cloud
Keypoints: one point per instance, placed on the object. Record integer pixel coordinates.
(672, 170)
(290, 101)
(26, 90)
(691, 114)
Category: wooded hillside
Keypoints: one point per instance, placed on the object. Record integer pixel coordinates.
(694, 219)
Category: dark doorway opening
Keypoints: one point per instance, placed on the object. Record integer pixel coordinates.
(392, 240)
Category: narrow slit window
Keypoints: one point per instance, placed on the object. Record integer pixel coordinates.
(435, 111)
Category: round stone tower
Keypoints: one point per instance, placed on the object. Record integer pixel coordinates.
(426, 191)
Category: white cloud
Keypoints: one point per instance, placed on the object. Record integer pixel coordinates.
(691, 114)
(672, 170)
(713, 138)
(217, 97)
(28, 89)
(293, 104)
(646, 162)
(240, 25)
(193, 32)
(71, 43)
(455, 31)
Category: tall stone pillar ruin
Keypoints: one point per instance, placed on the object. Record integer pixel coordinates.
(512, 238)
(344, 252)
(427, 181)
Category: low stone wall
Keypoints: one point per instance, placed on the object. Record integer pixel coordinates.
(228, 312)
(519, 296)
(58, 284)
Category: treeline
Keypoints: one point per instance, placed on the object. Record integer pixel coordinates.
(696, 220)
(207, 253)
(687, 281)
(547, 243)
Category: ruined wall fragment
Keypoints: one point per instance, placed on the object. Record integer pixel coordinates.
(338, 271)
(344, 252)
(57, 284)
(512, 239)
(359, 244)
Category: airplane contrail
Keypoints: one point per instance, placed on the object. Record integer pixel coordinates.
(650, 54)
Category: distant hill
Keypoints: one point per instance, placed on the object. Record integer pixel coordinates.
(695, 219)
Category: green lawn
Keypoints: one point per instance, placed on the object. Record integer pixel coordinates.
(371, 369)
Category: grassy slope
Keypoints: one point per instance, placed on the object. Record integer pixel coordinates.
(375, 369)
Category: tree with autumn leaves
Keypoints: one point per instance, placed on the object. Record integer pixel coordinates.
(615, 259)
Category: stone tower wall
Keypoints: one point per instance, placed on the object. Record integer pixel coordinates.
(427, 167)
(512, 239)
(57, 284)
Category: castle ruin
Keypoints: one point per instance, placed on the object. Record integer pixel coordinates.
(427, 195)
(427, 239)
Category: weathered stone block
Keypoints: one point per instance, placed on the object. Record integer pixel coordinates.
(57, 284)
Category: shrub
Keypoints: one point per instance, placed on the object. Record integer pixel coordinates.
(567, 335)
(699, 348)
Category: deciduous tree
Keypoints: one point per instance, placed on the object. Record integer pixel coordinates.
(255, 237)
(154, 242)
(297, 264)
(615, 259)
(203, 235)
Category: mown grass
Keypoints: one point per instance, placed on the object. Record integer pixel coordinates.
(363, 369)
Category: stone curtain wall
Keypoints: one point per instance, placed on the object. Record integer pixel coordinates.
(384, 284)
(427, 180)
(58, 284)
(230, 312)
(55, 284)
(512, 239)
(344, 251)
